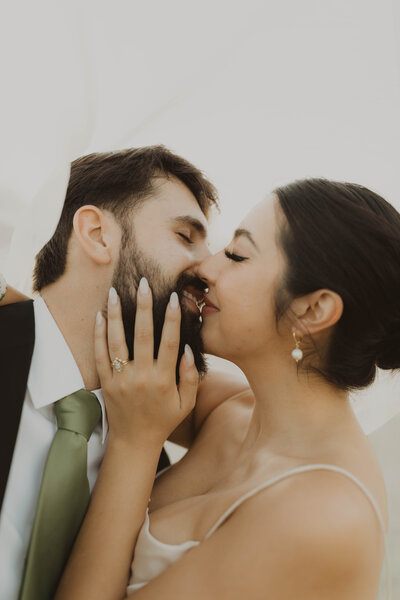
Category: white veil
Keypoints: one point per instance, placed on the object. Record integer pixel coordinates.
(254, 95)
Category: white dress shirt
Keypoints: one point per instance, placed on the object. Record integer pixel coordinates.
(53, 375)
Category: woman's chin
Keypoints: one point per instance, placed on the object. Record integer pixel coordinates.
(214, 343)
(210, 348)
(214, 350)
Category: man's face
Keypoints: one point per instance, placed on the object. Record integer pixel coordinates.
(165, 240)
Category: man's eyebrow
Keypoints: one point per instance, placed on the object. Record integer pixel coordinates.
(192, 222)
(246, 233)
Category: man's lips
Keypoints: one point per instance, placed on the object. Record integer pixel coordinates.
(191, 304)
(196, 300)
(197, 293)
(193, 298)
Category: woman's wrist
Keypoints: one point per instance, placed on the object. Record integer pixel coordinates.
(144, 442)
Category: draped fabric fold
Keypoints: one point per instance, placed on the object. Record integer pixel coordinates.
(255, 93)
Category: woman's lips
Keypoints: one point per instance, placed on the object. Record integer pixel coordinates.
(208, 307)
(196, 301)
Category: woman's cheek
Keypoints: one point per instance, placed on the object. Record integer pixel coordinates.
(243, 332)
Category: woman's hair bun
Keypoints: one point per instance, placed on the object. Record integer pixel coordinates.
(345, 238)
(388, 352)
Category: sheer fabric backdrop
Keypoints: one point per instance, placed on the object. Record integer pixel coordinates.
(256, 93)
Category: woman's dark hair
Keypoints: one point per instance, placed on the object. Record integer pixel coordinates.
(346, 238)
(119, 182)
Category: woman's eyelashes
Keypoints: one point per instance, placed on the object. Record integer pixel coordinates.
(185, 238)
(235, 257)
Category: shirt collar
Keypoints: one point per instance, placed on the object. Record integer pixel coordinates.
(54, 372)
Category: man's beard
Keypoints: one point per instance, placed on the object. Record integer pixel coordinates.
(132, 266)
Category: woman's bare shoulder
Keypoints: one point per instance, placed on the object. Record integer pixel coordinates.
(318, 523)
(316, 493)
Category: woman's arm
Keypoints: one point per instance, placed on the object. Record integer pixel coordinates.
(213, 390)
(143, 407)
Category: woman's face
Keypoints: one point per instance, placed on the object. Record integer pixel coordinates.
(242, 280)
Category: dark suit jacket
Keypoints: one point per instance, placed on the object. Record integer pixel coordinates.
(17, 336)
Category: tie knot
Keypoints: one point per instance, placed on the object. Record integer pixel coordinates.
(79, 412)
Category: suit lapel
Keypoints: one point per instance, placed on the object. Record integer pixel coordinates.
(17, 336)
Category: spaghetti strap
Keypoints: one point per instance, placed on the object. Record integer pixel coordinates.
(316, 467)
(162, 471)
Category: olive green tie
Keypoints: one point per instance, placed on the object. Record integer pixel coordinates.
(63, 497)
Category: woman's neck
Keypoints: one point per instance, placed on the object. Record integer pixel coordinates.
(296, 413)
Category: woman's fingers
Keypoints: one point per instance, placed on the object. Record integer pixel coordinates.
(115, 328)
(170, 338)
(101, 350)
(143, 344)
(188, 380)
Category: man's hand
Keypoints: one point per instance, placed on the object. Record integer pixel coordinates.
(12, 295)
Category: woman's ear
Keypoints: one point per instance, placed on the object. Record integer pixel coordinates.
(317, 311)
(95, 233)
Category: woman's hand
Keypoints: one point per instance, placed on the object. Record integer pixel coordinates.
(143, 400)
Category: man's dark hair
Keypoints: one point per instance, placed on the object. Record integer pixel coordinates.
(116, 181)
(346, 238)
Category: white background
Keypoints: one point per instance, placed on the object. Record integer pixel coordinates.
(255, 93)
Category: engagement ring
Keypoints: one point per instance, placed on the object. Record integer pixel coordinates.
(118, 363)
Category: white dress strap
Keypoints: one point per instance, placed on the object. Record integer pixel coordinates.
(162, 471)
(316, 467)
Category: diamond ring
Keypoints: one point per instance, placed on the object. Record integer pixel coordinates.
(118, 363)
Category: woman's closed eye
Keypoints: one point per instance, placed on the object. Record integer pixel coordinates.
(235, 257)
(186, 238)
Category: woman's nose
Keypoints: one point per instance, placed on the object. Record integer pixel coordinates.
(207, 270)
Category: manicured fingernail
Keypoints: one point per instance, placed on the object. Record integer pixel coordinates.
(99, 318)
(144, 286)
(189, 355)
(113, 296)
(174, 301)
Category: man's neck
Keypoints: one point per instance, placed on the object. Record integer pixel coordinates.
(75, 315)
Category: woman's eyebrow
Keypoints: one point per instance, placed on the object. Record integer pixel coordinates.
(192, 222)
(246, 233)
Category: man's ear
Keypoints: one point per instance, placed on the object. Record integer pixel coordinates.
(96, 233)
(317, 311)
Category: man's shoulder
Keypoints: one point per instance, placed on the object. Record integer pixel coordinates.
(17, 323)
(17, 338)
(16, 310)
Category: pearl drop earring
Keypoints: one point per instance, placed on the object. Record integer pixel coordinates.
(297, 353)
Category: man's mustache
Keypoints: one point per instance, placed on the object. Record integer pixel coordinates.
(185, 280)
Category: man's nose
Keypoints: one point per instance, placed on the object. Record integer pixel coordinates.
(202, 254)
